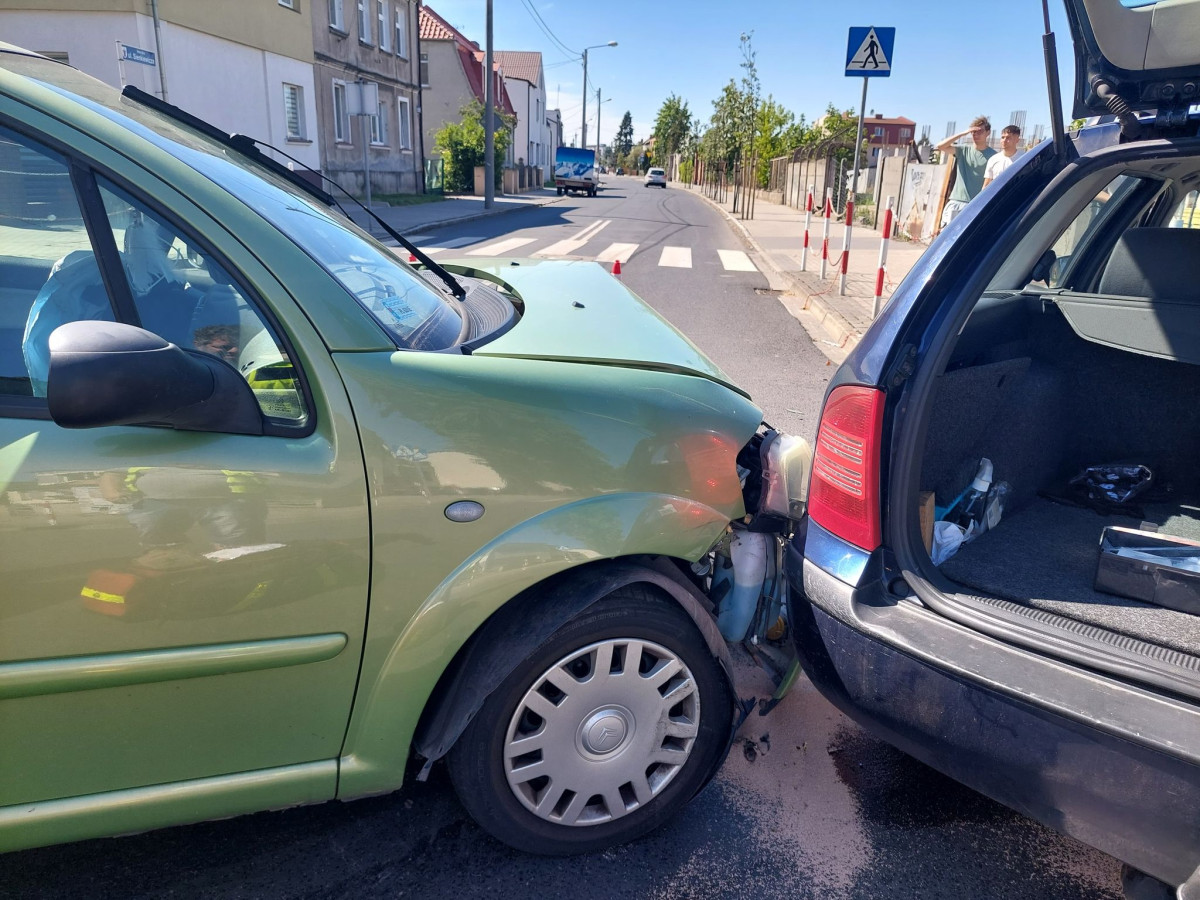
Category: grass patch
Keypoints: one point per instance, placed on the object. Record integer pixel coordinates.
(408, 199)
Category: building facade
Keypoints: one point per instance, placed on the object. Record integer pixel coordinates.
(452, 76)
(358, 42)
(199, 56)
(525, 82)
(885, 136)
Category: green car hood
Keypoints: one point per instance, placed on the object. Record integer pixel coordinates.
(575, 311)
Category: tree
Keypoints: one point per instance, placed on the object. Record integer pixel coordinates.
(671, 127)
(623, 142)
(776, 133)
(461, 145)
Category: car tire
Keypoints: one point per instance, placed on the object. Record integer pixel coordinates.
(608, 757)
(560, 192)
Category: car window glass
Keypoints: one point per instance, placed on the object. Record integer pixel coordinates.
(1086, 224)
(188, 298)
(48, 273)
(1187, 215)
(415, 313)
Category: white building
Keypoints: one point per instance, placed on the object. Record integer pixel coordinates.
(524, 79)
(245, 67)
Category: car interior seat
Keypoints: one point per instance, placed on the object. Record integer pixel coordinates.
(1156, 263)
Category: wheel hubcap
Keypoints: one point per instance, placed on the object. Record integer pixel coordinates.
(602, 732)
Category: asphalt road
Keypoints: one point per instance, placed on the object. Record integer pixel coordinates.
(807, 805)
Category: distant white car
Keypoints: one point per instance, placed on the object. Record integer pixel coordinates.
(656, 177)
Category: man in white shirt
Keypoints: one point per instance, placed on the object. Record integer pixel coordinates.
(1009, 138)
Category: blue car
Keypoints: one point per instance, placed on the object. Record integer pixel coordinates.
(1025, 411)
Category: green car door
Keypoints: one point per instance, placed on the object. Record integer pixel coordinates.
(182, 612)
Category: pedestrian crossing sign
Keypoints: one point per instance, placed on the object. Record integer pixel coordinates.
(869, 52)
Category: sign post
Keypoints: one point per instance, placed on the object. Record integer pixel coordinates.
(868, 55)
(364, 103)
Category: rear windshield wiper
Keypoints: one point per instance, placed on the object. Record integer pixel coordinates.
(246, 146)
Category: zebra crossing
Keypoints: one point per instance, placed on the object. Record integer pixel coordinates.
(584, 245)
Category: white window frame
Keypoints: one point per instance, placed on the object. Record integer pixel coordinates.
(290, 4)
(301, 132)
(403, 123)
(364, 22)
(337, 15)
(341, 124)
(402, 28)
(379, 126)
(423, 70)
(385, 28)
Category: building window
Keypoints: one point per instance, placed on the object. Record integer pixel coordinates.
(293, 111)
(379, 126)
(290, 4)
(341, 118)
(905, 133)
(364, 22)
(402, 28)
(404, 127)
(424, 70)
(337, 18)
(385, 32)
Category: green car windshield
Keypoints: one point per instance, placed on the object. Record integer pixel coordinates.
(410, 309)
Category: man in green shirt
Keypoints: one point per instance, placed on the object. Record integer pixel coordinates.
(969, 165)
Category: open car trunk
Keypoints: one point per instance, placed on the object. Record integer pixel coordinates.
(1042, 403)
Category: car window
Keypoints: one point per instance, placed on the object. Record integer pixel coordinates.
(1089, 221)
(48, 272)
(417, 315)
(188, 298)
(1186, 215)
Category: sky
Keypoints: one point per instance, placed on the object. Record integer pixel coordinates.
(952, 61)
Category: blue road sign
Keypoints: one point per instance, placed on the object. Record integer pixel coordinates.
(869, 52)
(137, 55)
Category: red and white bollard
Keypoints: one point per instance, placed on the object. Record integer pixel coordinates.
(808, 208)
(825, 231)
(846, 244)
(883, 245)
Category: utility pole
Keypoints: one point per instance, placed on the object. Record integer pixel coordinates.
(583, 115)
(489, 107)
(597, 126)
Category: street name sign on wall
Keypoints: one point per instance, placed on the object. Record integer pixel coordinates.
(869, 52)
(137, 55)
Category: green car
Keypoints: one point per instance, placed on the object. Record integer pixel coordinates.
(282, 516)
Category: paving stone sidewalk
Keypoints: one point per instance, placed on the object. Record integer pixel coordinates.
(776, 234)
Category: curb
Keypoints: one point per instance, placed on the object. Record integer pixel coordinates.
(844, 335)
(424, 227)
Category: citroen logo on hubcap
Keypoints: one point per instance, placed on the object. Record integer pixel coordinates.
(605, 730)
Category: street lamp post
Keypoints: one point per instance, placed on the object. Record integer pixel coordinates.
(583, 115)
(599, 104)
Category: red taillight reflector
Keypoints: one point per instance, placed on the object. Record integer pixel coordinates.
(843, 497)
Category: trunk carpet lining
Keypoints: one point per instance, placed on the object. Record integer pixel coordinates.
(1044, 556)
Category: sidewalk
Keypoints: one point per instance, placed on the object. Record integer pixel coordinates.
(412, 221)
(776, 233)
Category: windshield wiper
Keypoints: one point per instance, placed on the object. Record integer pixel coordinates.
(246, 146)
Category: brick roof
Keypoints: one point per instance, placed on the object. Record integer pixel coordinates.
(881, 120)
(434, 28)
(473, 65)
(523, 64)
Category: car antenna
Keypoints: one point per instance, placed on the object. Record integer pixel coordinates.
(248, 146)
(1052, 85)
